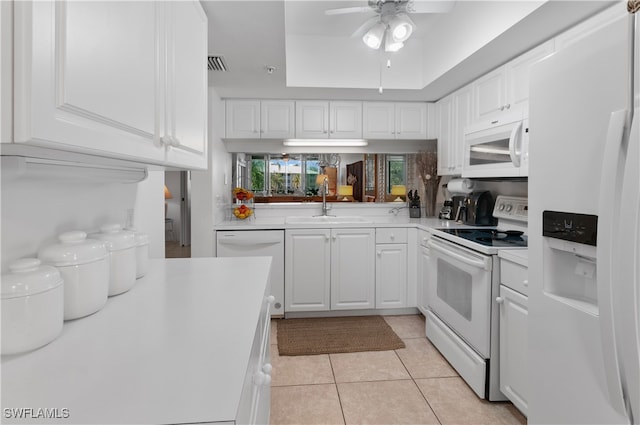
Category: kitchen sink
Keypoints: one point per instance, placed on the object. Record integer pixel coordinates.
(326, 219)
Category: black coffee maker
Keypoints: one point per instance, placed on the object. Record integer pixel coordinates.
(476, 209)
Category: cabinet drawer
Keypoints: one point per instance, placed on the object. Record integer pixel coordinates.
(391, 235)
(514, 276)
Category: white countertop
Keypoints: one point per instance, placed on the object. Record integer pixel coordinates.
(271, 223)
(174, 349)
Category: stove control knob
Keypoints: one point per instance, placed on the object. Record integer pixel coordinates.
(500, 207)
(509, 208)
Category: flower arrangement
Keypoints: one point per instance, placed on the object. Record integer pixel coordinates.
(427, 167)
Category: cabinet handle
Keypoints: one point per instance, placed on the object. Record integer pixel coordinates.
(267, 368)
(261, 378)
(499, 300)
(165, 140)
(175, 142)
(271, 299)
(392, 237)
(425, 239)
(379, 253)
(326, 238)
(526, 283)
(508, 106)
(335, 237)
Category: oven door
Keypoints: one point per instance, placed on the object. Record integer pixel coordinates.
(460, 291)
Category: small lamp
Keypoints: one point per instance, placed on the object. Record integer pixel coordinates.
(398, 190)
(345, 190)
(320, 179)
(167, 195)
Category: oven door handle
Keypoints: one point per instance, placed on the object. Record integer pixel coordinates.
(466, 260)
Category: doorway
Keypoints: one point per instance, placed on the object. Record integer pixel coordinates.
(177, 231)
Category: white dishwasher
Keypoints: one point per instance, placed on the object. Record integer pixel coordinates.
(257, 243)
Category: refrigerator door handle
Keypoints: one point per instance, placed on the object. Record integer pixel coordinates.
(611, 178)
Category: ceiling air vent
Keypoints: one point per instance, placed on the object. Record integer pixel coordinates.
(217, 63)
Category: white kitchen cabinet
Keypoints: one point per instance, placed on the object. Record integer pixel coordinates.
(353, 280)
(506, 88)
(423, 270)
(455, 114)
(307, 270)
(513, 300)
(391, 275)
(81, 86)
(277, 119)
(186, 109)
(259, 119)
(391, 267)
(395, 120)
(322, 120)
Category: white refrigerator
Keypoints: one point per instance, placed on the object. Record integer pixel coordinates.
(584, 232)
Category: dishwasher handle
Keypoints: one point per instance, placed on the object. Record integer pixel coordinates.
(252, 239)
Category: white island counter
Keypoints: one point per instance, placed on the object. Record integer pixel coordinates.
(177, 348)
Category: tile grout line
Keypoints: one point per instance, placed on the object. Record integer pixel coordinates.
(335, 383)
(418, 387)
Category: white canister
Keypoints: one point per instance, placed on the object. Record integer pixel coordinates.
(83, 264)
(32, 306)
(142, 252)
(121, 245)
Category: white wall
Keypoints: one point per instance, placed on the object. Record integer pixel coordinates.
(211, 189)
(35, 211)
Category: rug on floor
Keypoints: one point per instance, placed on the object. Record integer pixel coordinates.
(329, 335)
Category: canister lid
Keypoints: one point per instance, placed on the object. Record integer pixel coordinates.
(74, 249)
(28, 276)
(115, 237)
(140, 237)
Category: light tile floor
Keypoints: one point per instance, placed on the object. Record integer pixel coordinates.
(413, 385)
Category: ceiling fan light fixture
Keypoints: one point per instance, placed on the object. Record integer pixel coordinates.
(373, 37)
(391, 46)
(401, 28)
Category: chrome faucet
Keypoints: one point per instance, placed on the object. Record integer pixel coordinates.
(396, 210)
(325, 190)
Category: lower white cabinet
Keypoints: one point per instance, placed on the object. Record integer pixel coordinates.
(514, 378)
(307, 274)
(391, 275)
(329, 269)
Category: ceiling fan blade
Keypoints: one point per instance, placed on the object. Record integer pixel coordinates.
(430, 6)
(365, 26)
(346, 10)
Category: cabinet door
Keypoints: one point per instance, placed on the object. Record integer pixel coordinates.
(277, 119)
(444, 116)
(307, 270)
(352, 269)
(243, 119)
(312, 120)
(489, 93)
(423, 276)
(86, 77)
(518, 73)
(462, 116)
(391, 275)
(379, 120)
(345, 120)
(411, 120)
(187, 83)
(514, 382)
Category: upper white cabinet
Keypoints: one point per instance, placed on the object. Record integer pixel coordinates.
(453, 114)
(255, 119)
(277, 119)
(332, 120)
(123, 80)
(507, 88)
(395, 120)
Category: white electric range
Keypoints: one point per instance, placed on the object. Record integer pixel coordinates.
(462, 321)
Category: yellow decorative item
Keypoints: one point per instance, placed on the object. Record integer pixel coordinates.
(399, 190)
(346, 190)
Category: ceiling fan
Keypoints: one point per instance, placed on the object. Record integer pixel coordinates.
(391, 23)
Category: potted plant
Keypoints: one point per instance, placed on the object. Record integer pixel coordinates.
(414, 204)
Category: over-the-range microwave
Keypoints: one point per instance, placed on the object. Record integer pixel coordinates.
(496, 148)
